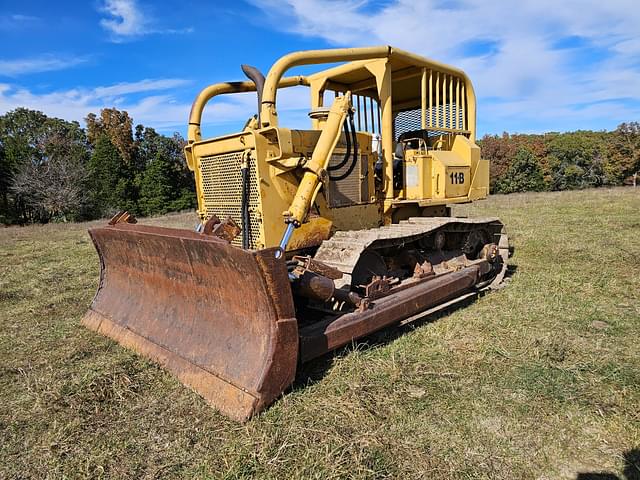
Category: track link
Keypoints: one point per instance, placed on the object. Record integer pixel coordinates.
(343, 250)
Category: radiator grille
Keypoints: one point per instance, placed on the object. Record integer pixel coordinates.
(222, 188)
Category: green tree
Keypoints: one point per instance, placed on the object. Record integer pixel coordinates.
(112, 185)
(31, 140)
(184, 182)
(624, 159)
(21, 132)
(156, 188)
(161, 189)
(5, 175)
(576, 160)
(172, 187)
(524, 174)
(50, 168)
(499, 150)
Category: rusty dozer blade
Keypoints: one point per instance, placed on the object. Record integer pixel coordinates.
(220, 318)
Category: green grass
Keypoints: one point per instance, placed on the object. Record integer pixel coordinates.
(519, 384)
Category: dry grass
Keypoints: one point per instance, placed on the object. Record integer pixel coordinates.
(518, 384)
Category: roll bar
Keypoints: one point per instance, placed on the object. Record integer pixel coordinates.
(268, 112)
(274, 80)
(208, 93)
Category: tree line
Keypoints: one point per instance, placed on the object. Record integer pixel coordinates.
(562, 161)
(54, 170)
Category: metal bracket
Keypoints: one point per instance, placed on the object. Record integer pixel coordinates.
(227, 230)
(122, 217)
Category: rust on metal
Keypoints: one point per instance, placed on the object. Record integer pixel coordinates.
(452, 265)
(351, 298)
(314, 286)
(227, 230)
(422, 270)
(220, 318)
(307, 263)
(378, 287)
(333, 252)
(223, 320)
(207, 228)
(122, 217)
(322, 337)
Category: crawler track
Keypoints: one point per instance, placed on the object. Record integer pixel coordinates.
(345, 248)
(412, 297)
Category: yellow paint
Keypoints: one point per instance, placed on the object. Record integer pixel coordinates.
(289, 166)
(315, 230)
(418, 175)
(319, 160)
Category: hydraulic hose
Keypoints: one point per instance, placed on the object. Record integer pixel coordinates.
(347, 154)
(246, 221)
(257, 78)
(355, 151)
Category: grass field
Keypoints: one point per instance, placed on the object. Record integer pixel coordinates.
(539, 380)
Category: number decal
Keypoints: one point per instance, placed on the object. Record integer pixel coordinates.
(457, 178)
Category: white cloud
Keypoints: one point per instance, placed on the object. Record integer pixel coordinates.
(526, 78)
(139, 86)
(127, 20)
(74, 104)
(43, 63)
(160, 108)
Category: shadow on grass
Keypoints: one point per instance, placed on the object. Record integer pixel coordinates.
(631, 469)
(315, 370)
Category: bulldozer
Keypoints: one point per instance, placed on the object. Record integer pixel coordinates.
(306, 239)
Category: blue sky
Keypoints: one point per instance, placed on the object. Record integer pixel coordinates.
(537, 65)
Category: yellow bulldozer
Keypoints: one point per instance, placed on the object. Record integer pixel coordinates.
(307, 239)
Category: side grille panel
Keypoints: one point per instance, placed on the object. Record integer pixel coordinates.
(222, 188)
(354, 188)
